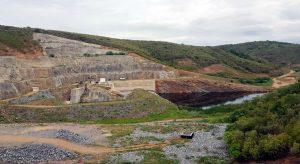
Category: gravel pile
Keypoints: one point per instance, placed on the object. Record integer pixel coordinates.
(138, 133)
(34, 153)
(203, 144)
(40, 95)
(70, 136)
(129, 157)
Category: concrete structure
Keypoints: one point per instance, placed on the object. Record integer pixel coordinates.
(129, 85)
(102, 80)
(76, 94)
(35, 89)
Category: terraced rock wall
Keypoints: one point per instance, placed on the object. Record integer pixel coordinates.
(69, 66)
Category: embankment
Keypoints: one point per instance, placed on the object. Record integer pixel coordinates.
(200, 92)
(139, 104)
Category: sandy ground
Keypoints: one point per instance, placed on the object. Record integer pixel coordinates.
(284, 80)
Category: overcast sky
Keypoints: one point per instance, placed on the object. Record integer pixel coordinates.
(197, 22)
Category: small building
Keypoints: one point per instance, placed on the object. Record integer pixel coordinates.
(187, 135)
(35, 89)
(102, 80)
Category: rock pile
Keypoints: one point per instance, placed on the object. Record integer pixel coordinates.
(129, 157)
(70, 136)
(34, 153)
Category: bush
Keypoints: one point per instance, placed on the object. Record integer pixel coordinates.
(115, 53)
(267, 128)
(295, 150)
(87, 55)
(51, 55)
(109, 53)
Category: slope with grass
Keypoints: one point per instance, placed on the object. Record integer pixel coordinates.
(180, 56)
(140, 105)
(267, 128)
(18, 42)
(277, 53)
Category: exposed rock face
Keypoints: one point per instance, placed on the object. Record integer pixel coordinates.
(92, 93)
(76, 94)
(40, 95)
(69, 66)
(61, 47)
(200, 92)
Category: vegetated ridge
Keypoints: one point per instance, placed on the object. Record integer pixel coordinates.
(18, 42)
(267, 128)
(253, 57)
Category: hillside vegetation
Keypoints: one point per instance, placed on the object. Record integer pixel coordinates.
(250, 58)
(267, 128)
(186, 57)
(19, 39)
(278, 53)
(139, 107)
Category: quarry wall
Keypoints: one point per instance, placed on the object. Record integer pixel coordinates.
(69, 66)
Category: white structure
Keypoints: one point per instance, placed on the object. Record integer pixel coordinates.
(102, 80)
(76, 94)
(35, 89)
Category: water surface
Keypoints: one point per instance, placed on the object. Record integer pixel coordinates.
(239, 100)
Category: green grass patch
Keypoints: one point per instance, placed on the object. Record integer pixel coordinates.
(168, 114)
(212, 160)
(262, 81)
(156, 157)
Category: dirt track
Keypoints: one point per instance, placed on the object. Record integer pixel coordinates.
(284, 80)
(22, 134)
(82, 149)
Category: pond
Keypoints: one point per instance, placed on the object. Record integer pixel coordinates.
(236, 101)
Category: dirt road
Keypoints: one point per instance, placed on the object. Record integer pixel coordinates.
(82, 149)
(284, 80)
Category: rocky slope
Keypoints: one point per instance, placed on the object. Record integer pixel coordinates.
(64, 64)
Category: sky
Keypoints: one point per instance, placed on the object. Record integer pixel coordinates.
(196, 22)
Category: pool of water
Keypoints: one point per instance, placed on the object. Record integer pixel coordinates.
(237, 101)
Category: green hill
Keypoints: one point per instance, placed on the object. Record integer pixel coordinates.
(267, 128)
(277, 53)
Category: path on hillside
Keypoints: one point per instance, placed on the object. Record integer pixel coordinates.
(284, 80)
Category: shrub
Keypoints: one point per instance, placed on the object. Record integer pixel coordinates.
(109, 53)
(295, 150)
(267, 128)
(51, 55)
(87, 55)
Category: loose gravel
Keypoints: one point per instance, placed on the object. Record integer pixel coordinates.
(34, 153)
(203, 144)
(138, 133)
(128, 157)
(61, 134)
(73, 137)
